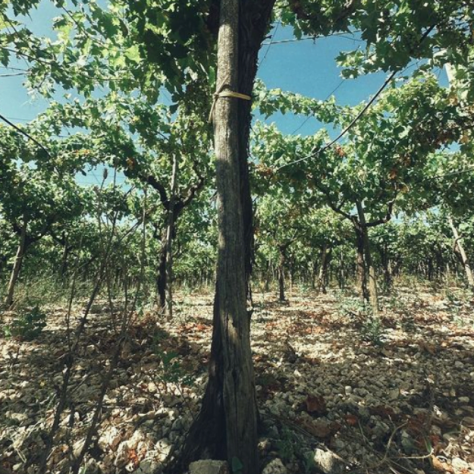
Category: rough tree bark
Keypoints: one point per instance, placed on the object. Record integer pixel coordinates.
(387, 267)
(314, 272)
(233, 381)
(373, 291)
(341, 272)
(226, 427)
(459, 248)
(281, 272)
(169, 236)
(253, 26)
(323, 268)
(16, 266)
(161, 276)
(174, 206)
(361, 268)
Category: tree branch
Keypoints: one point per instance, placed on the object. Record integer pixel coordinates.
(330, 203)
(157, 186)
(27, 135)
(385, 219)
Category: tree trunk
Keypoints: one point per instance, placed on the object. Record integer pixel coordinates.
(314, 272)
(232, 384)
(387, 273)
(361, 269)
(462, 253)
(226, 427)
(448, 275)
(268, 276)
(161, 276)
(323, 270)
(373, 292)
(65, 257)
(253, 26)
(16, 267)
(165, 263)
(291, 273)
(169, 236)
(341, 272)
(281, 274)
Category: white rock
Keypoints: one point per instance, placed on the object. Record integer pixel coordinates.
(163, 447)
(19, 417)
(121, 458)
(137, 437)
(459, 464)
(77, 447)
(275, 467)
(110, 439)
(328, 462)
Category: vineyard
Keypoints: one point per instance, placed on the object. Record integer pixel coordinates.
(208, 268)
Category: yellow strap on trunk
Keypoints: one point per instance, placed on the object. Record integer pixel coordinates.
(237, 95)
(226, 93)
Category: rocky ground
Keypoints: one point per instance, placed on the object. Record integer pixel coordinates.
(338, 391)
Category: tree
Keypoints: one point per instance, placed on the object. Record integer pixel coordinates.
(33, 197)
(380, 166)
(279, 220)
(172, 160)
(176, 38)
(449, 186)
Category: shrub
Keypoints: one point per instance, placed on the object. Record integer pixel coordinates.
(28, 325)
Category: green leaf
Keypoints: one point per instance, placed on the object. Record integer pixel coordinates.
(4, 56)
(174, 108)
(133, 53)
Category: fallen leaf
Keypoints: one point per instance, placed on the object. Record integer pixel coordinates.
(320, 428)
(430, 348)
(133, 458)
(384, 412)
(315, 404)
(441, 466)
(352, 420)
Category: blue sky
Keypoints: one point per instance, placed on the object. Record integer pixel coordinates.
(307, 67)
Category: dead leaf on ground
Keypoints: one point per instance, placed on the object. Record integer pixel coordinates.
(316, 405)
(133, 458)
(441, 466)
(352, 420)
(384, 412)
(427, 347)
(320, 428)
(311, 360)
